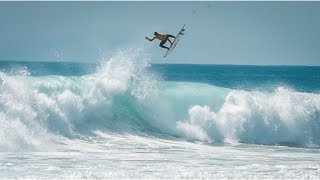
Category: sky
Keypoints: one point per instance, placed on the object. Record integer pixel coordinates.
(250, 33)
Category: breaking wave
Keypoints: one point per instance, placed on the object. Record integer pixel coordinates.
(123, 96)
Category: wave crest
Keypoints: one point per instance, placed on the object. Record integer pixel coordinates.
(282, 117)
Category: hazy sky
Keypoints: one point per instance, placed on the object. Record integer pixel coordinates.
(259, 33)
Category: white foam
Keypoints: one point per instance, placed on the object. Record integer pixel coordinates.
(34, 110)
(280, 117)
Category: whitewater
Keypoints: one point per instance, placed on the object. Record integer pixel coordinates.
(126, 118)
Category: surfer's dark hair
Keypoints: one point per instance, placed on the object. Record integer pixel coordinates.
(155, 33)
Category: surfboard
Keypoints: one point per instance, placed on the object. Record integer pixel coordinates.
(175, 41)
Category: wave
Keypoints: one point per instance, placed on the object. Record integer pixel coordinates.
(123, 96)
(282, 117)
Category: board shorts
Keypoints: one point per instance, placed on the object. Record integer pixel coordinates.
(165, 40)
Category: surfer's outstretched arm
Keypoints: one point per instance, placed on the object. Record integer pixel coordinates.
(149, 38)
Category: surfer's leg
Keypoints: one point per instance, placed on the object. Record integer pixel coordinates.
(162, 44)
(168, 36)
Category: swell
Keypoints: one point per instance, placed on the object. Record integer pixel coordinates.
(123, 97)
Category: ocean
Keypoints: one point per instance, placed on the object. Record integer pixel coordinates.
(124, 117)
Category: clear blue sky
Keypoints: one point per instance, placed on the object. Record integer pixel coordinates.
(258, 33)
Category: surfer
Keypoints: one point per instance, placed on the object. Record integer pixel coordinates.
(163, 38)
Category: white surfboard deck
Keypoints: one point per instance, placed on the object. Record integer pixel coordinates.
(176, 40)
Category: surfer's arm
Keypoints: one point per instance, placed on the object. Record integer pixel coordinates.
(150, 39)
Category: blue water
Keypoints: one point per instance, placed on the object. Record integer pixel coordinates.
(126, 118)
(246, 77)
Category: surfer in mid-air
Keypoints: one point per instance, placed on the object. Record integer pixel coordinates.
(163, 38)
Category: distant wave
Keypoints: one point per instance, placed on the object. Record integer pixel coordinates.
(122, 96)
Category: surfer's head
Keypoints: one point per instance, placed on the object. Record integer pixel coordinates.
(155, 33)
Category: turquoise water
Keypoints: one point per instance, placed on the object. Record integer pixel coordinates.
(126, 118)
(246, 77)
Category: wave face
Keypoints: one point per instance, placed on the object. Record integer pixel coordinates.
(124, 96)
